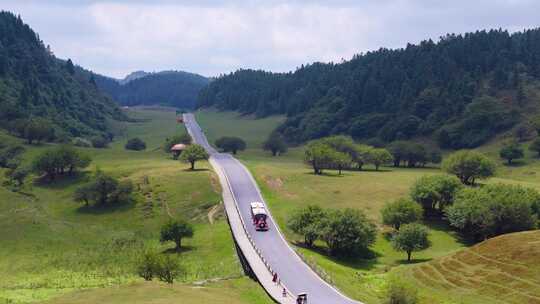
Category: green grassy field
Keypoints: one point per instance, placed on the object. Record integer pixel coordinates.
(51, 246)
(287, 184)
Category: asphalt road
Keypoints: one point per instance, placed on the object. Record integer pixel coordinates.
(292, 271)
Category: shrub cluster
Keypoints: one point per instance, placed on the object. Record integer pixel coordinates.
(104, 189)
(231, 144)
(59, 161)
(165, 268)
(135, 144)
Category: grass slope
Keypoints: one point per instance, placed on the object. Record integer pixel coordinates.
(505, 269)
(287, 184)
(51, 245)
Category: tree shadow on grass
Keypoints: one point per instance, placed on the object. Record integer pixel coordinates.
(516, 164)
(364, 261)
(112, 208)
(62, 181)
(196, 170)
(413, 261)
(183, 249)
(439, 224)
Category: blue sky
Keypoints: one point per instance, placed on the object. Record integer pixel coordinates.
(212, 37)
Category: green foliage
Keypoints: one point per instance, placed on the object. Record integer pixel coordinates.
(469, 166)
(425, 89)
(275, 144)
(347, 232)
(81, 142)
(169, 269)
(231, 144)
(192, 154)
(525, 131)
(104, 190)
(136, 144)
(99, 142)
(17, 175)
(148, 265)
(41, 94)
(319, 156)
(535, 146)
(10, 156)
(59, 160)
(177, 139)
(493, 210)
(411, 237)
(511, 152)
(175, 231)
(379, 156)
(401, 211)
(412, 154)
(307, 222)
(400, 292)
(432, 191)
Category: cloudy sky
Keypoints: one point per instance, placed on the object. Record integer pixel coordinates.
(211, 37)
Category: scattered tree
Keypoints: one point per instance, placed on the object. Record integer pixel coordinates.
(347, 232)
(37, 130)
(231, 144)
(136, 144)
(401, 211)
(175, 231)
(511, 152)
(340, 160)
(307, 222)
(169, 269)
(275, 144)
(379, 157)
(192, 154)
(104, 190)
(148, 265)
(410, 238)
(525, 131)
(431, 191)
(99, 142)
(319, 156)
(469, 166)
(177, 139)
(59, 160)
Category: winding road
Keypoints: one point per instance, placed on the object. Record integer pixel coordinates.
(294, 274)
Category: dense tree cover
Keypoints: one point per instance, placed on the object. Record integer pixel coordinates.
(136, 144)
(511, 152)
(170, 88)
(401, 211)
(104, 189)
(410, 238)
(230, 144)
(59, 161)
(435, 192)
(492, 210)
(469, 166)
(192, 154)
(411, 154)
(461, 91)
(175, 231)
(35, 85)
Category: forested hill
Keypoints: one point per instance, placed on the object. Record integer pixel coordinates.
(35, 84)
(171, 88)
(460, 90)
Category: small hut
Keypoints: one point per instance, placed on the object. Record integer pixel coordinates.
(177, 150)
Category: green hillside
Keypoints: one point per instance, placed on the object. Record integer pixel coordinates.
(34, 83)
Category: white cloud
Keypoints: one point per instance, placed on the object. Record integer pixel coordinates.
(213, 37)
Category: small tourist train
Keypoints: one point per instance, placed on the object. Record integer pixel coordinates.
(259, 215)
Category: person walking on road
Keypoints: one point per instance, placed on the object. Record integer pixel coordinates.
(275, 278)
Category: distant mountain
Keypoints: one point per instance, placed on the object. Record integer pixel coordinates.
(133, 76)
(34, 83)
(171, 88)
(460, 91)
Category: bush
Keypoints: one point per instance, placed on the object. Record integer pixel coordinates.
(469, 166)
(99, 142)
(166, 268)
(275, 144)
(401, 211)
(148, 265)
(169, 269)
(493, 210)
(10, 155)
(511, 152)
(59, 160)
(379, 156)
(432, 191)
(81, 142)
(399, 292)
(411, 237)
(135, 144)
(104, 189)
(306, 222)
(231, 144)
(347, 232)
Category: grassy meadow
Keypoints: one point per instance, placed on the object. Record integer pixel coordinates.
(287, 184)
(52, 246)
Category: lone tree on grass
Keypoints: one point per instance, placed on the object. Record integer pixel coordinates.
(135, 144)
(511, 152)
(535, 146)
(307, 222)
(275, 144)
(469, 165)
(400, 212)
(231, 144)
(192, 154)
(410, 238)
(175, 231)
